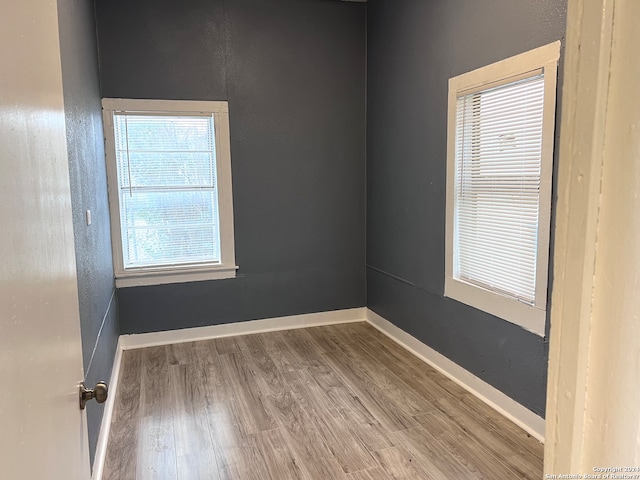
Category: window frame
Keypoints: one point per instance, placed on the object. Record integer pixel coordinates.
(545, 58)
(219, 110)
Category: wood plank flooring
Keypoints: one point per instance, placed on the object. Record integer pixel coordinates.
(337, 402)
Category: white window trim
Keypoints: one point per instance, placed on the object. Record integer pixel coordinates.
(530, 317)
(174, 274)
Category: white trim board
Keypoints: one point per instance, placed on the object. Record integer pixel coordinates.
(291, 322)
(493, 397)
(503, 404)
(107, 415)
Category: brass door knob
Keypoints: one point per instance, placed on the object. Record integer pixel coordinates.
(100, 392)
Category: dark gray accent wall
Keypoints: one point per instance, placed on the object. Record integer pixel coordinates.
(414, 47)
(293, 72)
(98, 311)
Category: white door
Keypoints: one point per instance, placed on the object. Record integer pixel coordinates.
(42, 431)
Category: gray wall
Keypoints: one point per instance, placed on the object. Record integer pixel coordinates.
(293, 72)
(98, 312)
(414, 47)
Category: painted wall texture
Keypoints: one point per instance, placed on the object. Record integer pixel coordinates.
(293, 72)
(85, 145)
(413, 48)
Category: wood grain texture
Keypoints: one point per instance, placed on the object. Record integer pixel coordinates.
(399, 464)
(434, 455)
(122, 450)
(390, 414)
(194, 444)
(475, 407)
(343, 444)
(371, 474)
(474, 456)
(334, 402)
(514, 455)
(281, 462)
(248, 401)
(156, 442)
(395, 388)
(226, 345)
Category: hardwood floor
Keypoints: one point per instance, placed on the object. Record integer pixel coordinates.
(338, 402)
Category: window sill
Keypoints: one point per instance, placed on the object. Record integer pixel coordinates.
(139, 279)
(529, 317)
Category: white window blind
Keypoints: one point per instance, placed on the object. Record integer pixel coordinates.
(166, 166)
(497, 187)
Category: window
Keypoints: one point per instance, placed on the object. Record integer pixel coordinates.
(499, 165)
(169, 174)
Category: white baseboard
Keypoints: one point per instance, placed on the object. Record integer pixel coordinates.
(141, 340)
(107, 415)
(493, 397)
